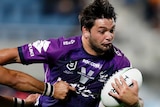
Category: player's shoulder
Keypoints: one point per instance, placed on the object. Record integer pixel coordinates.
(67, 41)
(119, 54)
(120, 60)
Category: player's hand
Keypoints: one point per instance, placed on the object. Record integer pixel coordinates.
(61, 89)
(31, 100)
(126, 94)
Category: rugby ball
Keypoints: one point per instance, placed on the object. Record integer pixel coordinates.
(128, 74)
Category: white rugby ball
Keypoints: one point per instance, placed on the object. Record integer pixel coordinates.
(128, 74)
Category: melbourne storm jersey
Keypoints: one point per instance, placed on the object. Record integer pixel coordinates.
(66, 58)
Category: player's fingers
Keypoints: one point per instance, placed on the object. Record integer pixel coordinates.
(68, 86)
(114, 93)
(115, 87)
(63, 82)
(135, 84)
(123, 82)
(72, 88)
(118, 84)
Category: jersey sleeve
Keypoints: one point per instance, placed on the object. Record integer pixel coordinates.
(40, 51)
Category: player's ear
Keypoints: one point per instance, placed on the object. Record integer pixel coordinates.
(85, 32)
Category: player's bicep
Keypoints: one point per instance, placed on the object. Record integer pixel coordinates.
(9, 55)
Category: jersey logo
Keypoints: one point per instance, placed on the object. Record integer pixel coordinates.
(69, 42)
(41, 44)
(103, 76)
(85, 76)
(96, 65)
(72, 65)
(83, 90)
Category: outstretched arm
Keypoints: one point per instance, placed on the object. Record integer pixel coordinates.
(24, 82)
(20, 81)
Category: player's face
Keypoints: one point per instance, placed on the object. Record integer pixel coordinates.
(102, 35)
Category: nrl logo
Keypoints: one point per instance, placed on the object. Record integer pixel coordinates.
(103, 76)
(72, 65)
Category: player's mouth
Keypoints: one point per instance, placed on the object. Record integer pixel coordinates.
(107, 45)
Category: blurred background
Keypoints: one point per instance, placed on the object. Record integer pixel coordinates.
(137, 34)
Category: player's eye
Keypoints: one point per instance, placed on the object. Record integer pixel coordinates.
(101, 31)
(112, 30)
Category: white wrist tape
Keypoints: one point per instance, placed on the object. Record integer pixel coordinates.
(18, 102)
(48, 90)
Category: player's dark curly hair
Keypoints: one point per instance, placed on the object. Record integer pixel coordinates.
(96, 10)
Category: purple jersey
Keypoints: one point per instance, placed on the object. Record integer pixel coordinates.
(65, 58)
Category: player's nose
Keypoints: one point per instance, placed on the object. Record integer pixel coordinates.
(108, 36)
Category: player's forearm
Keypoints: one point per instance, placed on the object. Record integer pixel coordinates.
(20, 81)
(25, 82)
